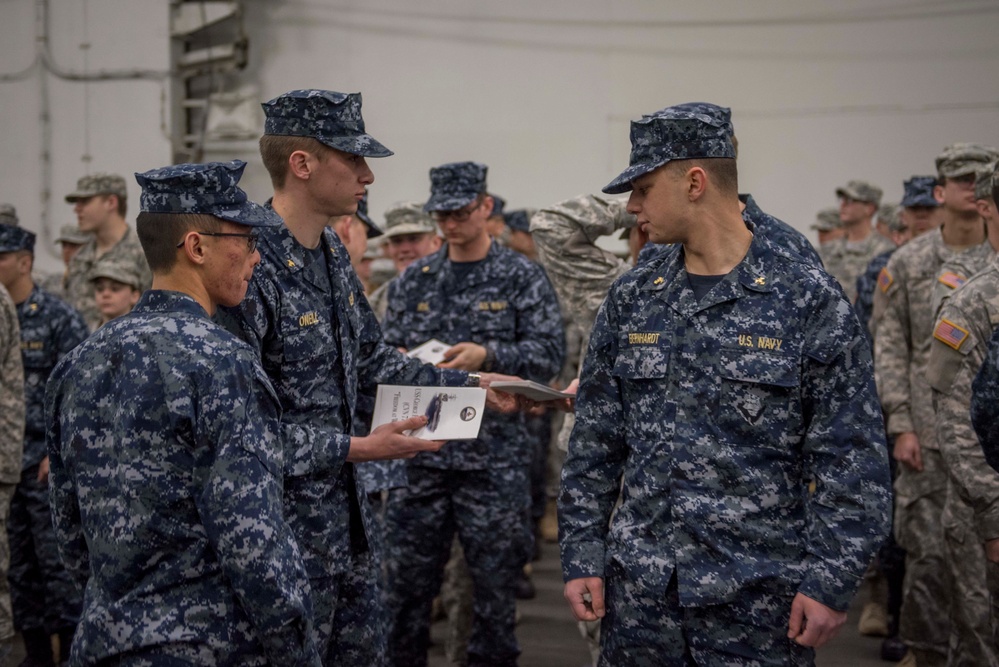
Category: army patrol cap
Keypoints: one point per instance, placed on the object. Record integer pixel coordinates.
(327, 116)
(98, 184)
(888, 214)
(205, 189)
(827, 220)
(124, 272)
(13, 239)
(455, 185)
(8, 215)
(73, 235)
(408, 218)
(519, 220)
(373, 230)
(860, 191)
(984, 180)
(919, 192)
(683, 132)
(962, 159)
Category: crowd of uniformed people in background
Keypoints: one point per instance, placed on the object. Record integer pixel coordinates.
(191, 477)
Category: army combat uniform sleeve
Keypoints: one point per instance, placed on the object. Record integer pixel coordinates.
(893, 347)
(11, 392)
(956, 353)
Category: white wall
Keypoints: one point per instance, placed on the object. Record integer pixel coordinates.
(543, 90)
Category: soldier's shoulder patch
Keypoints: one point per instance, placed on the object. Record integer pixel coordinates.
(952, 280)
(885, 280)
(950, 334)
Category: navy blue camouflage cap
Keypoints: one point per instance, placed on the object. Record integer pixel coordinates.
(455, 185)
(919, 192)
(683, 132)
(205, 189)
(327, 116)
(519, 220)
(14, 238)
(373, 231)
(498, 205)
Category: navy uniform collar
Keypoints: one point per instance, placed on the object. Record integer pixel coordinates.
(168, 301)
(435, 262)
(752, 274)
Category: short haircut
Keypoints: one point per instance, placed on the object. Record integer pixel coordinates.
(122, 205)
(159, 234)
(275, 149)
(721, 171)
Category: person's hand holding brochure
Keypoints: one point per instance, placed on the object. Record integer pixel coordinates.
(453, 413)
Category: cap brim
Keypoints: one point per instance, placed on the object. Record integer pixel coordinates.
(623, 182)
(74, 197)
(361, 144)
(249, 214)
(447, 202)
(408, 228)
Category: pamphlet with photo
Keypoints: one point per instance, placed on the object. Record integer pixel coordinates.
(453, 413)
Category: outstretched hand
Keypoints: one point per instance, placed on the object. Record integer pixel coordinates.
(389, 442)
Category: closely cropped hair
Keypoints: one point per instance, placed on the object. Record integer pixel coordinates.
(159, 234)
(276, 149)
(122, 206)
(722, 171)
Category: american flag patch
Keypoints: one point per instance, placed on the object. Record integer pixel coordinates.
(950, 334)
(952, 280)
(885, 280)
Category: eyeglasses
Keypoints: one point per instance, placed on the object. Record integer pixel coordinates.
(251, 239)
(461, 215)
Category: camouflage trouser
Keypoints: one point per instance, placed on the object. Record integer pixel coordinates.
(650, 629)
(919, 501)
(42, 592)
(971, 634)
(457, 596)
(486, 508)
(6, 615)
(350, 619)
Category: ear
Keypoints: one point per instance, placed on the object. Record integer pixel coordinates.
(938, 194)
(193, 249)
(697, 182)
(487, 205)
(983, 207)
(300, 164)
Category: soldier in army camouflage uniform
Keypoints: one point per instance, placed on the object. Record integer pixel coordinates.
(409, 235)
(971, 512)
(902, 346)
(99, 202)
(500, 314)
(828, 227)
(717, 383)
(45, 601)
(868, 280)
(306, 315)
(11, 448)
(167, 454)
(70, 240)
(847, 257)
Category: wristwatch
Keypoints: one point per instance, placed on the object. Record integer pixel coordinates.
(474, 380)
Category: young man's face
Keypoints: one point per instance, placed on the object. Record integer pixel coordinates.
(93, 212)
(466, 225)
(919, 219)
(852, 211)
(354, 235)
(957, 194)
(656, 198)
(405, 249)
(114, 298)
(69, 251)
(229, 264)
(13, 265)
(338, 182)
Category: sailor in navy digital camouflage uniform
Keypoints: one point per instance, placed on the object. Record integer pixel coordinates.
(320, 344)
(499, 312)
(719, 381)
(44, 599)
(167, 459)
